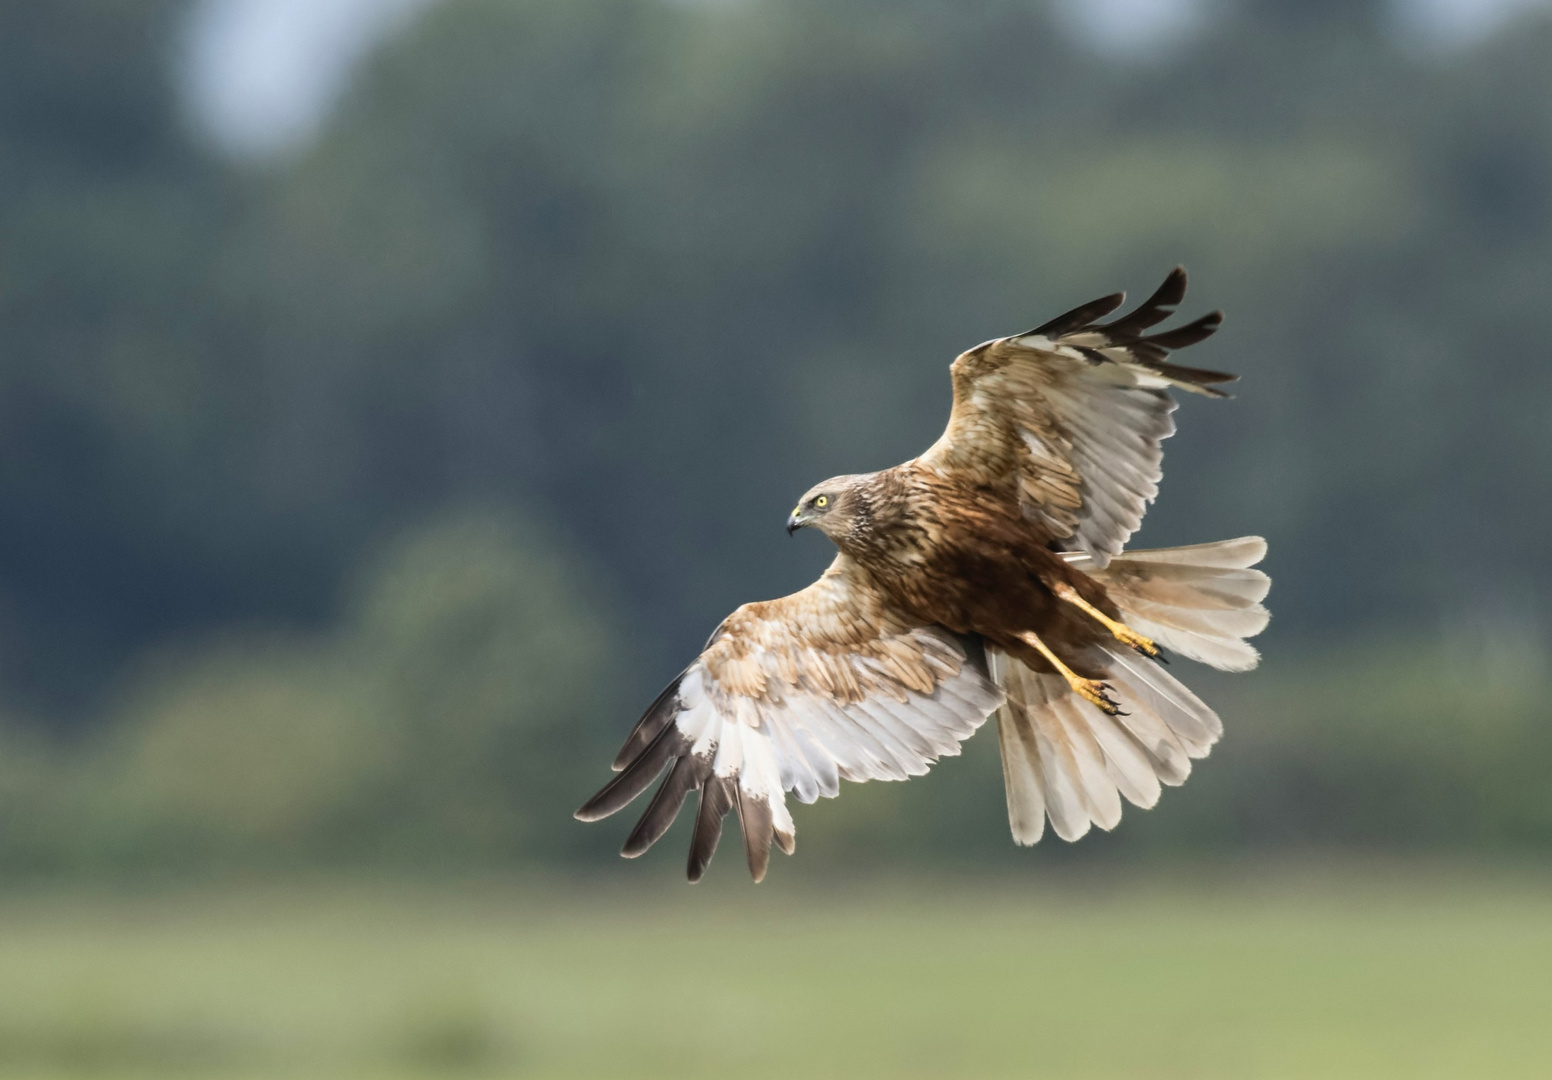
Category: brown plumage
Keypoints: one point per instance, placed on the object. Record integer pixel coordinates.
(985, 577)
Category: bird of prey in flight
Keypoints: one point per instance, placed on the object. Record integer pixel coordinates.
(985, 577)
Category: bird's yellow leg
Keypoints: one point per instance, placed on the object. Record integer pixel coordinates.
(1090, 689)
(1120, 631)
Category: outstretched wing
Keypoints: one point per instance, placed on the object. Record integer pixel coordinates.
(1069, 417)
(831, 683)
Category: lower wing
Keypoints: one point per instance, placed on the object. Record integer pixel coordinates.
(831, 683)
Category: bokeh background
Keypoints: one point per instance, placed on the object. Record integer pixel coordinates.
(394, 393)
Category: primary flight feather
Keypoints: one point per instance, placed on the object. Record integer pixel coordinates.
(987, 576)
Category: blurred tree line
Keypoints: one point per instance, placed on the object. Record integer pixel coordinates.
(350, 505)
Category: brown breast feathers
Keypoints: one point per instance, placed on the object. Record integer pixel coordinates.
(964, 556)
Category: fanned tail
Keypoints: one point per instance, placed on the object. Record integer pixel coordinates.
(1064, 759)
(1201, 601)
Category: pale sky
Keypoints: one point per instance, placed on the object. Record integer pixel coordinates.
(261, 75)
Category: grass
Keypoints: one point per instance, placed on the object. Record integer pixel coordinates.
(1283, 974)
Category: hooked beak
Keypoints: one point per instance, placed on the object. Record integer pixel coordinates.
(795, 521)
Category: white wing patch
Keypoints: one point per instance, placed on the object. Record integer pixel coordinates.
(746, 753)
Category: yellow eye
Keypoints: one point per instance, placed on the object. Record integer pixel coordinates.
(822, 502)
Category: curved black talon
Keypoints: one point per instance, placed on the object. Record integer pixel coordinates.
(1111, 706)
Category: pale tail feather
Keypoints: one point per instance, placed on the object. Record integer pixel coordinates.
(1201, 601)
(1020, 760)
(1064, 759)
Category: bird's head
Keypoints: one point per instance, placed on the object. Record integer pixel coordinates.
(831, 507)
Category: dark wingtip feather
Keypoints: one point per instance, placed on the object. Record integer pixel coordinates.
(1154, 310)
(659, 713)
(759, 828)
(636, 778)
(1153, 350)
(1206, 391)
(1200, 376)
(1192, 332)
(715, 801)
(687, 775)
(1078, 317)
(1079, 330)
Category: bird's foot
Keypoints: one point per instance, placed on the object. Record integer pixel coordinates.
(1098, 693)
(1091, 690)
(1127, 636)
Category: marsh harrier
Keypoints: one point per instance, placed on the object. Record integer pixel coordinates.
(986, 576)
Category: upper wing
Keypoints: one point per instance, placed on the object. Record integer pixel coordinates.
(796, 694)
(1070, 415)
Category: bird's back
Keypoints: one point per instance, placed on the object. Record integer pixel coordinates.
(965, 557)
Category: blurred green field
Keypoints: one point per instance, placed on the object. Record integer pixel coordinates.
(1282, 974)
